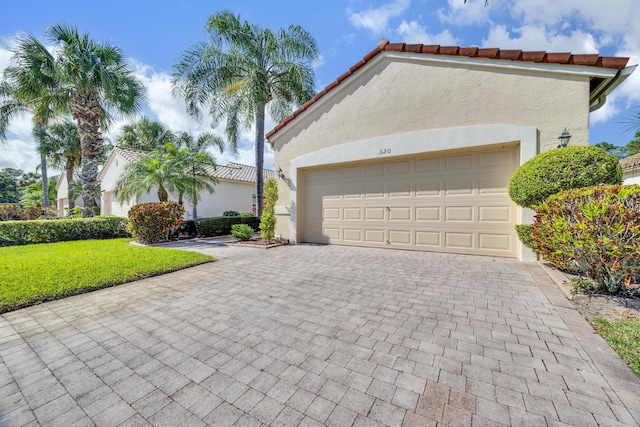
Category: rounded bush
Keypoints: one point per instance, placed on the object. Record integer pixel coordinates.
(560, 170)
(152, 222)
(241, 231)
(230, 213)
(595, 230)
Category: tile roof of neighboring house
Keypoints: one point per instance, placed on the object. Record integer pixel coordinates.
(232, 171)
(630, 163)
(566, 58)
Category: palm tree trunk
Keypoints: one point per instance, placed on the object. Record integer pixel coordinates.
(45, 183)
(69, 172)
(259, 158)
(163, 196)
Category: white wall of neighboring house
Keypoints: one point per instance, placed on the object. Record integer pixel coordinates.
(228, 194)
(631, 177)
(62, 205)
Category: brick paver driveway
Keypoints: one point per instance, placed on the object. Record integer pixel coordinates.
(316, 335)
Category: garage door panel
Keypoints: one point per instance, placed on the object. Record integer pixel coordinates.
(400, 213)
(451, 203)
(431, 213)
(500, 242)
(459, 186)
(428, 239)
(458, 240)
(374, 236)
(459, 213)
(502, 214)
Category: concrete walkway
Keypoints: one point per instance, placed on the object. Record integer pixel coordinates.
(316, 335)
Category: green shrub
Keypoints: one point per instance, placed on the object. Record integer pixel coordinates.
(32, 212)
(560, 170)
(268, 220)
(230, 213)
(241, 231)
(10, 212)
(221, 225)
(524, 234)
(152, 222)
(595, 230)
(247, 214)
(61, 230)
(185, 230)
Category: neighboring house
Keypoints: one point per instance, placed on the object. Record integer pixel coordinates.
(414, 146)
(62, 206)
(631, 169)
(235, 189)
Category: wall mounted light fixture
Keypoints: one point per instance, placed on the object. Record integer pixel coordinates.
(564, 138)
(280, 173)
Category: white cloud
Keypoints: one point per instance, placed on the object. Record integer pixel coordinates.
(413, 32)
(376, 20)
(459, 13)
(530, 37)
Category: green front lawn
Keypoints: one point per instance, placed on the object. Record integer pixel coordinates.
(623, 336)
(35, 273)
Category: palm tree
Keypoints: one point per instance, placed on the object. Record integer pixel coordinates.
(144, 135)
(195, 160)
(158, 168)
(32, 194)
(61, 144)
(30, 86)
(96, 81)
(241, 71)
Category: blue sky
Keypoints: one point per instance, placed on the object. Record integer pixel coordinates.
(153, 33)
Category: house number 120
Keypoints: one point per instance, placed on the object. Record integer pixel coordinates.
(385, 151)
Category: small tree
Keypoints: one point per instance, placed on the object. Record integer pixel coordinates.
(268, 219)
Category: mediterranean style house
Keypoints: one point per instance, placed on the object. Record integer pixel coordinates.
(414, 146)
(235, 189)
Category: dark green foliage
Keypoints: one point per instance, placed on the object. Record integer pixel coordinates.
(221, 225)
(562, 169)
(185, 230)
(152, 222)
(525, 236)
(61, 230)
(595, 230)
(242, 231)
(230, 213)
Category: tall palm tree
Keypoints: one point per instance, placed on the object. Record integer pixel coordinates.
(61, 144)
(96, 81)
(242, 70)
(195, 159)
(144, 135)
(30, 86)
(158, 168)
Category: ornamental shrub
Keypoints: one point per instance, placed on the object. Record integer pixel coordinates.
(241, 231)
(562, 169)
(525, 236)
(10, 212)
(268, 219)
(595, 230)
(221, 225)
(61, 230)
(152, 222)
(230, 213)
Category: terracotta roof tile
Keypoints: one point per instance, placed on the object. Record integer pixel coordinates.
(472, 51)
(630, 163)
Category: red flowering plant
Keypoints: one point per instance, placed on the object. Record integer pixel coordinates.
(152, 222)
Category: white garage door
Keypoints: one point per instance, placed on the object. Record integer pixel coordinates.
(450, 203)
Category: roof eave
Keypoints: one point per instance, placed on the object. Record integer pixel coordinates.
(599, 97)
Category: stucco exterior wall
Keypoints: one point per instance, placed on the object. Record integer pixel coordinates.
(63, 196)
(403, 94)
(631, 177)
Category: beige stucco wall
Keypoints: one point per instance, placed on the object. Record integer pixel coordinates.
(631, 177)
(400, 94)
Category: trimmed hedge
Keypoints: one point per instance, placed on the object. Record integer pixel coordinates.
(26, 232)
(562, 169)
(596, 230)
(221, 225)
(525, 236)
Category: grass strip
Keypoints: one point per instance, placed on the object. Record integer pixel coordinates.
(36, 273)
(623, 335)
